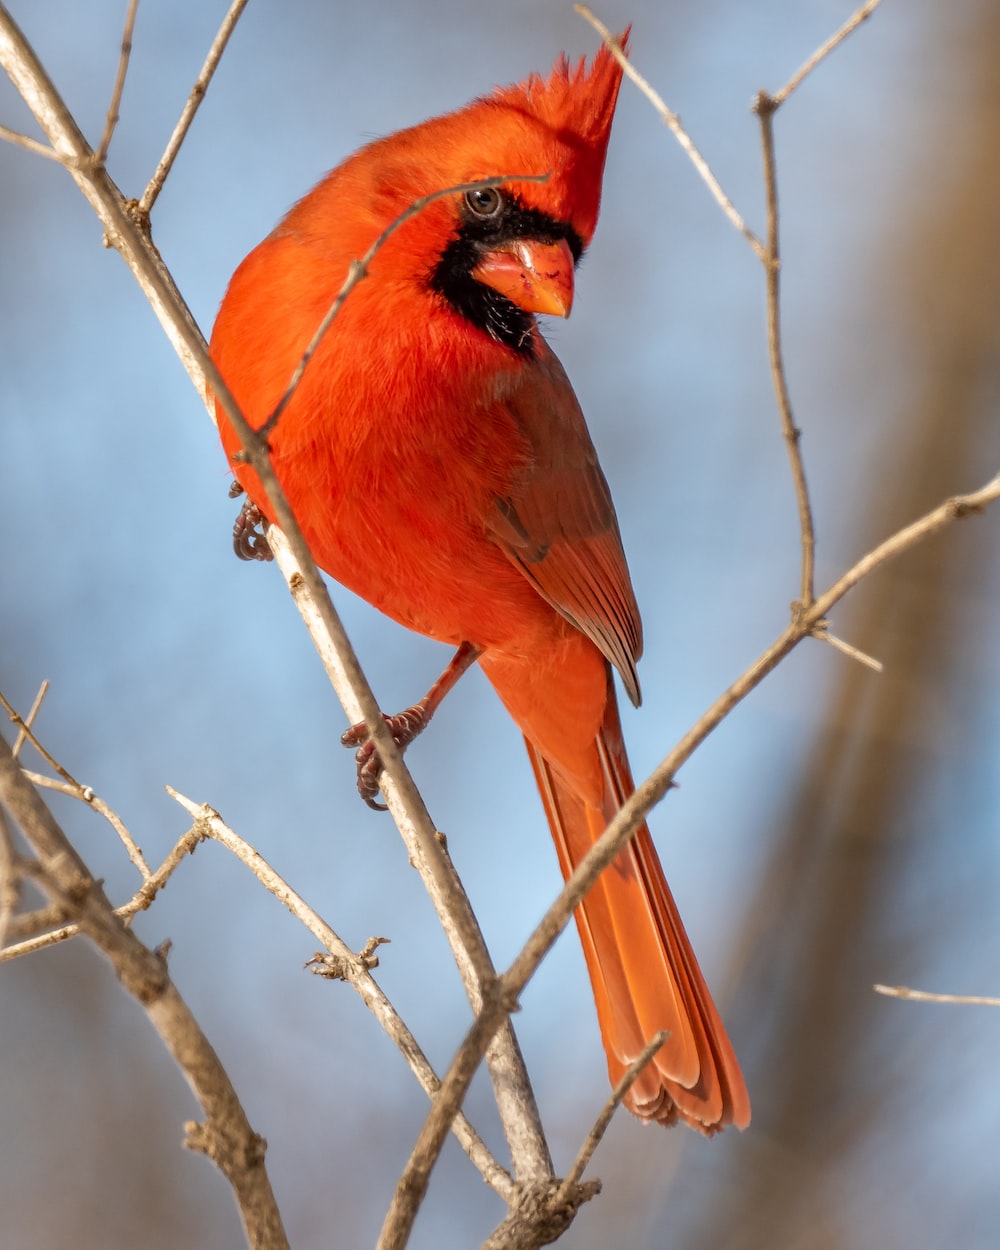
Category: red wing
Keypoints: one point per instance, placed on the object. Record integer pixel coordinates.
(558, 523)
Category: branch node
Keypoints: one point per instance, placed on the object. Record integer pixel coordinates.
(765, 105)
(498, 993)
(228, 1151)
(540, 1214)
(961, 508)
(821, 632)
(139, 216)
(346, 967)
(79, 892)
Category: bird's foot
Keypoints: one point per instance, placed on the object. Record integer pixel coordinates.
(249, 541)
(404, 727)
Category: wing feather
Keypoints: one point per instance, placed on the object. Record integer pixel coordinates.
(558, 525)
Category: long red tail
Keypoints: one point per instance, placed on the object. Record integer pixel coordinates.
(643, 971)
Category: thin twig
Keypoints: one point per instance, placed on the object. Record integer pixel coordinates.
(673, 123)
(358, 271)
(924, 996)
(194, 100)
(41, 942)
(600, 1126)
(956, 508)
(121, 228)
(116, 95)
(69, 785)
(824, 51)
(153, 882)
(25, 732)
(29, 144)
(40, 919)
(539, 1215)
(94, 801)
(848, 649)
(356, 971)
(412, 1184)
(29, 720)
(764, 107)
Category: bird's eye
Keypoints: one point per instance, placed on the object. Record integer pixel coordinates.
(485, 203)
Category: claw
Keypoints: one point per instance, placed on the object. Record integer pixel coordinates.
(249, 542)
(404, 727)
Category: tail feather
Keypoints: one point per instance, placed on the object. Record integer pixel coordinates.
(644, 973)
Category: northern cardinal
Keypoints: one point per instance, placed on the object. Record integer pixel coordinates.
(439, 465)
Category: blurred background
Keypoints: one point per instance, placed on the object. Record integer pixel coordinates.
(841, 828)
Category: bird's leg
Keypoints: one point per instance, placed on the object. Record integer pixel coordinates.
(404, 726)
(249, 542)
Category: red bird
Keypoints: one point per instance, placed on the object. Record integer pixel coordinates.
(439, 465)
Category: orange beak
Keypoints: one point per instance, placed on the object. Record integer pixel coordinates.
(536, 276)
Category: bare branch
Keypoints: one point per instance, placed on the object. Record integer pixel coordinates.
(846, 648)
(764, 108)
(957, 508)
(356, 970)
(25, 733)
(225, 1135)
(153, 882)
(673, 124)
(40, 942)
(120, 226)
(539, 1215)
(86, 795)
(824, 51)
(68, 785)
(924, 996)
(552, 1206)
(29, 144)
(29, 720)
(412, 1184)
(116, 95)
(191, 107)
(29, 923)
(600, 1127)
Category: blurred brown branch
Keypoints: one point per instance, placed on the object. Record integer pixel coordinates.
(116, 94)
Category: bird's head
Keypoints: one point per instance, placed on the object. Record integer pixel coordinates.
(497, 255)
